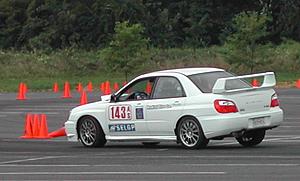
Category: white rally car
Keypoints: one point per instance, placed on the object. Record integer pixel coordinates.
(189, 105)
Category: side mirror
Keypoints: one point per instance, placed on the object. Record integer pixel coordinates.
(113, 98)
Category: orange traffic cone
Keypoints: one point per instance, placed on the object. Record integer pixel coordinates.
(79, 87)
(255, 83)
(116, 86)
(83, 98)
(107, 88)
(58, 133)
(43, 130)
(55, 87)
(36, 125)
(148, 88)
(28, 127)
(298, 83)
(67, 93)
(102, 87)
(90, 87)
(21, 94)
(25, 89)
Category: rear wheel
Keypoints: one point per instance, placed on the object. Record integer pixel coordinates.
(90, 132)
(190, 134)
(252, 138)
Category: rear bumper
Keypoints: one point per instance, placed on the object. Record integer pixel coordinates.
(226, 124)
(71, 131)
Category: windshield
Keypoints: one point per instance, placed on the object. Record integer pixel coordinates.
(206, 81)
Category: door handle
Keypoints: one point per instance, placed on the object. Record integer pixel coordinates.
(176, 103)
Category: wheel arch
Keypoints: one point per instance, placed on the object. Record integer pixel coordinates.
(182, 117)
(84, 116)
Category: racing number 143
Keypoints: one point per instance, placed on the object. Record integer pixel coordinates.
(120, 112)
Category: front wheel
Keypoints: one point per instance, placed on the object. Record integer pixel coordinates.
(252, 138)
(90, 132)
(190, 134)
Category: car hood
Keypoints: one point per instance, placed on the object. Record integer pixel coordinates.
(95, 105)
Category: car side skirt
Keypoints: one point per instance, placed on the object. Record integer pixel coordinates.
(140, 138)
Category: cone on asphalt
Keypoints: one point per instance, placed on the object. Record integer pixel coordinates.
(298, 84)
(35, 125)
(148, 88)
(116, 86)
(79, 87)
(43, 129)
(107, 88)
(22, 92)
(25, 89)
(28, 127)
(255, 83)
(83, 98)
(102, 87)
(90, 87)
(55, 87)
(58, 133)
(67, 93)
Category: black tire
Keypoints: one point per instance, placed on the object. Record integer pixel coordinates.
(190, 134)
(252, 138)
(90, 132)
(150, 144)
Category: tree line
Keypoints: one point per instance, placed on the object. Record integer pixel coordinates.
(90, 24)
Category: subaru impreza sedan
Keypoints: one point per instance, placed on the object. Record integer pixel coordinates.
(189, 106)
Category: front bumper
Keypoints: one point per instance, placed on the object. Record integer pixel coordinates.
(71, 131)
(226, 124)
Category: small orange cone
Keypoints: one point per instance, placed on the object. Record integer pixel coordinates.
(107, 88)
(255, 83)
(55, 87)
(21, 94)
(83, 98)
(79, 87)
(43, 130)
(116, 86)
(58, 133)
(36, 125)
(28, 127)
(102, 87)
(67, 93)
(90, 87)
(298, 83)
(25, 89)
(148, 88)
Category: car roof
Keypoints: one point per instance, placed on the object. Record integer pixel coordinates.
(184, 71)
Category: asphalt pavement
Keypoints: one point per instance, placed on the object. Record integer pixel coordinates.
(277, 158)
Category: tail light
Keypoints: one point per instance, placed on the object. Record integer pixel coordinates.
(274, 101)
(225, 106)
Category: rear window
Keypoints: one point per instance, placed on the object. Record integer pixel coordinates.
(206, 81)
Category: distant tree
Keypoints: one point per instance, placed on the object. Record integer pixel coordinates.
(127, 50)
(244, 47)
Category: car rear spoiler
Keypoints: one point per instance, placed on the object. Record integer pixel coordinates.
(220, 85)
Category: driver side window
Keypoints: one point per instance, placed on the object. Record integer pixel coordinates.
(138, 90)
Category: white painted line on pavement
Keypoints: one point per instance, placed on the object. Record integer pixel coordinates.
(32, 159)
(10, 112)
(112, 173)
(126, 165)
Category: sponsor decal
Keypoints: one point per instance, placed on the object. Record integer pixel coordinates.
(121, 127)
(139, 113)
(120, 112)
(159, 106)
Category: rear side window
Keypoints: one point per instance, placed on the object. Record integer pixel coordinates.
(168, 87)
(206, 81)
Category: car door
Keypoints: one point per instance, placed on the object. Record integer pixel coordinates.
(165, 107)
(126, 114)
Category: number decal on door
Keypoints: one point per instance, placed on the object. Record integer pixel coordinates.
(120, 112)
